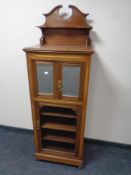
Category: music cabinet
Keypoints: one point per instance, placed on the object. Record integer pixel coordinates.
(58, 71)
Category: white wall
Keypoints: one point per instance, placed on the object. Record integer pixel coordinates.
(109, 102)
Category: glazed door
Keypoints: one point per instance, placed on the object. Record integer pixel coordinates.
(45, 76)
(59, 79)
(71, 79)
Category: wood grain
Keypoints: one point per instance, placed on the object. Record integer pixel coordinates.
(59, 134)
(57, 114)
(58, 126)
(59, 138)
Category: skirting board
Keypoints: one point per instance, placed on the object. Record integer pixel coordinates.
(87, 140)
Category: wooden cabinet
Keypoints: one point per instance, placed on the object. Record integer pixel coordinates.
(58, 71)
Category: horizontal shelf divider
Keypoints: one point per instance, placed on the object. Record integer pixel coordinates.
(56, 126)
(63, 150)
(57, 138)
(58, 101)
(58, 114)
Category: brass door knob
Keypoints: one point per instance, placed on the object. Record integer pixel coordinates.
(60, 86)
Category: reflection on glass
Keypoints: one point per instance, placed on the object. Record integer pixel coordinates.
(71, 80)
(45, 78)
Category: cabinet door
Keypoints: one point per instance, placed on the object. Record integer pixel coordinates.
(58, 79)
(45, 78)
(71, 80)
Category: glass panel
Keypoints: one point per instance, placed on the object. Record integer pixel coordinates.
(70, 80)
(45, 78)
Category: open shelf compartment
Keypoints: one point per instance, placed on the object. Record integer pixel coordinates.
(59, 147)
(58, 136)
(57, 111)
(58, 128)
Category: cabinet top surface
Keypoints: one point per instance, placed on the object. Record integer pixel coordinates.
(59, 48)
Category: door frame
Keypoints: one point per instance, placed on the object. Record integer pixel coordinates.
(81, 80)
(58, 60)
(35, 80)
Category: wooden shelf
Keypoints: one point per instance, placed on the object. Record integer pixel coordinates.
(58, 147)
(57, 114)
(59, 138)
(57, 126)
(58, 111)
(76, 27)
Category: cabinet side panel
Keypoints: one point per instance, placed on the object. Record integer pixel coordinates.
(84, 104)
(34, 108)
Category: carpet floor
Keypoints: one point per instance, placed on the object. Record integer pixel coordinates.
(17, 158)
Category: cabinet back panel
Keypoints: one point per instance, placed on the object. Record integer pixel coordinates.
(62, 36)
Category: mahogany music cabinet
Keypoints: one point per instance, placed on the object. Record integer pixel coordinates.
(58, 71)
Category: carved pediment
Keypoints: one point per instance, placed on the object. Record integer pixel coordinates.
(55, 20)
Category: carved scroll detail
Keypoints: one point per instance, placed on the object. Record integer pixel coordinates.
(76, 20)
